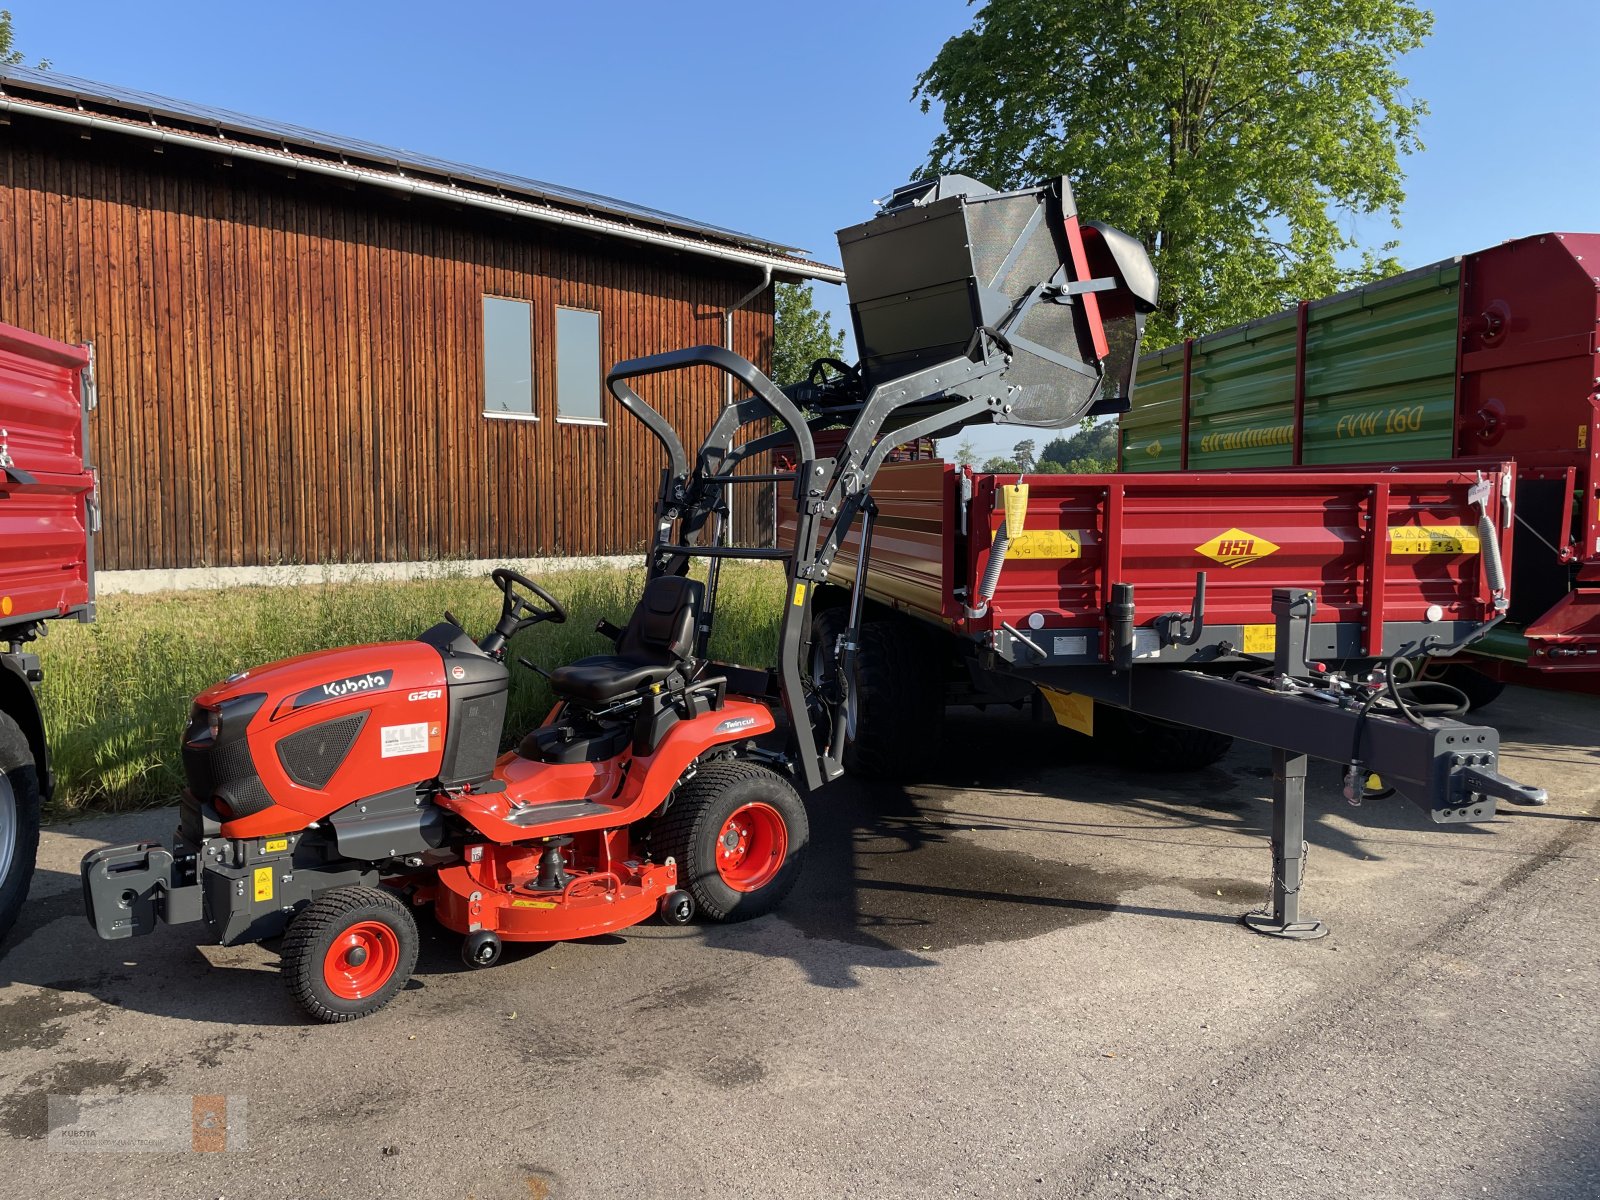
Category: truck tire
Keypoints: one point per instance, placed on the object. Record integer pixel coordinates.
(738, 833)
(1151, 744)
(19, 820)
(897, 696)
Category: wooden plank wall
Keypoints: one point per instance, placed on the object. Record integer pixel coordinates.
(291, 371)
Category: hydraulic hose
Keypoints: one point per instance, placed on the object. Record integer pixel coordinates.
(1014, 496)
(991, 574)
(1489, 540)
(1492, 566)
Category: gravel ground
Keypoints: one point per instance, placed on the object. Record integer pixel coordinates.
(1021, 976)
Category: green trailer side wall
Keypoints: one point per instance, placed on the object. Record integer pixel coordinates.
(1380, 370)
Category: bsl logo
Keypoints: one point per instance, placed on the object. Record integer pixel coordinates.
(1235, 547)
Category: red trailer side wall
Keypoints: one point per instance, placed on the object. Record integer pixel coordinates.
(1353, 536)
(46, 487)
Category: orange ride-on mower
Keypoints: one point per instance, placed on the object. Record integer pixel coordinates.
(333, 794)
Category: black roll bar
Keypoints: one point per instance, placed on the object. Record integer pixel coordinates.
(727, 361)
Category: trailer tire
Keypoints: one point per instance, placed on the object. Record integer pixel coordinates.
(319, 964)
(1479, 689)
(738, 833)
(1150, 744)
(899, 701)
(19, 820)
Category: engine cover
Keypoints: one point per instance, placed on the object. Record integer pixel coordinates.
(283, 745)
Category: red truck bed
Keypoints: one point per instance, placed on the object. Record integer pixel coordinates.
(47, 488)
(1392, 555)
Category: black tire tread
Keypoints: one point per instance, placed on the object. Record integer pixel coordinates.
(900, 706)
(17, 763)
(302, 966)
(1150, 744)
(1480, 690)
(676, 832)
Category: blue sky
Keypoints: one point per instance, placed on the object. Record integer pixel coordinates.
(784, 120)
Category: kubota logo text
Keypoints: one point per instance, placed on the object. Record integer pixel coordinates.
(1236, 547)
(372, 681)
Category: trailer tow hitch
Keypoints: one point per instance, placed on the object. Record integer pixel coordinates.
(1474, 781)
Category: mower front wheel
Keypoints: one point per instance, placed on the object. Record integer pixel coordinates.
(348, 952)
(738, 831)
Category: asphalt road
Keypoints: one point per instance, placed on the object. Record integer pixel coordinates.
(1023, 976)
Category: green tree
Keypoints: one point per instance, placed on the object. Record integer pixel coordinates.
(1240, 142)
(1091, 450)
(801, 334)
(1023, 453)
(966, 454)
(1002, 466)
(10, 56)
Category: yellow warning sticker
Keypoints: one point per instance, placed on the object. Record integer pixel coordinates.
(1260, 639)
(1046, 543)
(1071, 710)
(533, 904)
(263, 883)
(1583, 444)
(1433, 539)
(274, 845)
(1015, 497)
(1235, 547)
(799, 594)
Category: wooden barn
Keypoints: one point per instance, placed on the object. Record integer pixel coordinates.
(311, 349)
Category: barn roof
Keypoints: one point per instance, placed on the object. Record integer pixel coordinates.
(50, 95)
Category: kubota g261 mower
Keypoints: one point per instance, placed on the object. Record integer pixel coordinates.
(332, 794)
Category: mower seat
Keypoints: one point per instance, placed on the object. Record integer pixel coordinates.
(658, 640)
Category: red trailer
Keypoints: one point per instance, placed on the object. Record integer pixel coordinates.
(48, 515)
(1166, 614)
(1496, 353)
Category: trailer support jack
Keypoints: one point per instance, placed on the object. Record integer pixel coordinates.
(1288, 854)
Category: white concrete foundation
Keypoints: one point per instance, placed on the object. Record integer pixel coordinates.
(187, 579)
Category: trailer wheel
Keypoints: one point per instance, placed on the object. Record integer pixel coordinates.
(348, 952)
(1480, 690)
(738, 832)
(19, 819)
(1151, 744)
(896, 702)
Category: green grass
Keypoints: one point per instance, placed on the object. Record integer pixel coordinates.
(116, 693)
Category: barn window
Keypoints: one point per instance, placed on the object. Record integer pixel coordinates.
(507, 358)
(578, 366)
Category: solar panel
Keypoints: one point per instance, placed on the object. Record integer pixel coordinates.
(100, 95)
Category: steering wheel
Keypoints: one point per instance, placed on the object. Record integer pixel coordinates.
(518, 607)
(818, 376)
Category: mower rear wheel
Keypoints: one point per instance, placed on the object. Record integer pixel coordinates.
(348, 952)
(738, 831)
